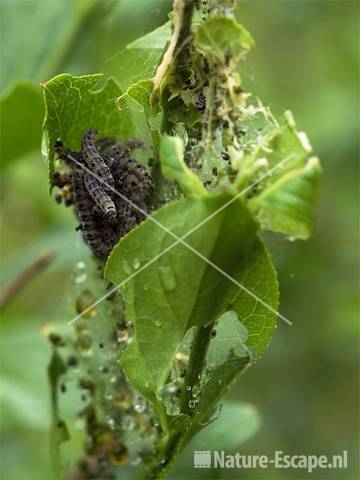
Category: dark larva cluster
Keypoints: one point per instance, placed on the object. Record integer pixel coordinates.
(109, 189)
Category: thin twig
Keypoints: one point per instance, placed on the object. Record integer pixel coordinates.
(39, 264)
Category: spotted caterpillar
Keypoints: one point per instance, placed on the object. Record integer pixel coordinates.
(104, 215)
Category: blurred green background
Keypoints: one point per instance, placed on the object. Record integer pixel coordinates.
(306, 60)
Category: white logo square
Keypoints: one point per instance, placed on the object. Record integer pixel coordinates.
(202, 459)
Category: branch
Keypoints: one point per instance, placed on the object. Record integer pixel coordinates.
(182, 17)
(39, 264)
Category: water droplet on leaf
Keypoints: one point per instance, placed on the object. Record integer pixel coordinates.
(169, 398)
(139, 404)
(136, 263)
(167, 278)
(128, 423)
(192, 404)
(111, 423)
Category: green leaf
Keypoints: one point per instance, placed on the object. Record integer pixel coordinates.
(23, 389)
(180, 290)
(156, 39)
(237, 343)
(21, 115)
(243, 333)
(18, 402)
(289, 205)
(173, 166)
(223, 37)
(235, 423)
(231, 335)
(132, 65)
(137, 97)
(73, 105)
(135, 105)
(284, 200)
(258, 317)
(218, 382)
(285, 149)
(42, 38)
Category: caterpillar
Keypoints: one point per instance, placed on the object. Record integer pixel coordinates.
(61, 179)
(104, 216)
(97, 233)
(94, 160)
(101, 199)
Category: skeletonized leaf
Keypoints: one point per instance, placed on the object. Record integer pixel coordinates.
(286, 202)
(289, 205)
(136, 98)
(223, 37)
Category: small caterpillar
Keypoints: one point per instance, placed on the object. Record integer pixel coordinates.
(94, 160)
(61, 179)
(97, 234)
(200, 101)
(105, 143)
(101, 199)
(122, 166)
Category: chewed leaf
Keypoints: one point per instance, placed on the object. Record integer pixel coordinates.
(285, 149)
(135, 105)
(231, 335)
(73, 105)
(173, 166)
(223, 37)
(284, 199)
(289, 205)
(136, 97)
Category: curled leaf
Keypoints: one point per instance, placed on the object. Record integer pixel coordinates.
(173, 166)
(223, 37)
(289, 205)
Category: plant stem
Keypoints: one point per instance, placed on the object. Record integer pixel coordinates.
(211, 109)
(199, 347)
(182, 19)
(39, 264)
